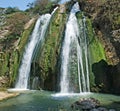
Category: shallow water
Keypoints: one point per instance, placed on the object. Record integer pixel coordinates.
(48, 101)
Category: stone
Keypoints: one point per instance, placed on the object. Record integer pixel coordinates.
(86, 104)
(102, 109)
(112, 110)
(94, 109)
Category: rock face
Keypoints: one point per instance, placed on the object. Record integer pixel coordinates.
(105, 79)
(105, 18)
(13, 37)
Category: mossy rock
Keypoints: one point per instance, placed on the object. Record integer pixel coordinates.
(48, 55)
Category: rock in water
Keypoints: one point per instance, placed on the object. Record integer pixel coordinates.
(102, 109)
(86, 104)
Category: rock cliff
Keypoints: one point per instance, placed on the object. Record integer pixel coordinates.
(106, 23)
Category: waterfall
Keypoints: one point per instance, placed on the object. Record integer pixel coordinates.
(74, 54)
(83, 62)
(36, 37)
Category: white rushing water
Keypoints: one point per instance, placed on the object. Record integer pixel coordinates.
(70, 34)
(36, 37)
(75, 31)
(83, 58)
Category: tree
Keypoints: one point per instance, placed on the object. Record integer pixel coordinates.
(10, 10)
(43, 6)
(30, 5)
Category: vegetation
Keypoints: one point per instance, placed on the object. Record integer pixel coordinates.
(18, 53)
(95, 47)
(16, 22)
(50, 46)
(105, 18)
(12, 44)
(41, 6)
(50, 52)
(94, 44)
(10, 10)
(97, 53)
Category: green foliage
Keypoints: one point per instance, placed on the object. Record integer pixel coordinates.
(42, 6)
(10, 60)
(96, 48)
(16, 55)
(16, 22)
(9, 66)
(51, 48)
(10, 10)
(24, 39)
(97, 52)
(4, 61)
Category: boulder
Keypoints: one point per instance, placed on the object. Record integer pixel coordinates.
(86, 104)
(89, 104)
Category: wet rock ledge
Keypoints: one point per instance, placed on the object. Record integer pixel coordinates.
(5, 95)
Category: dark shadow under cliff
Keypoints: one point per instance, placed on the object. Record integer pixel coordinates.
(107, 77)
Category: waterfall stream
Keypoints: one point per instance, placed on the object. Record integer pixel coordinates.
(83, 57)
(74, 54)
(36, 37)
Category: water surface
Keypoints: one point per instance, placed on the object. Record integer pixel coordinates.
(49, 101)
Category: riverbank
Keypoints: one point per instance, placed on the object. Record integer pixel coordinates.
(5, 95)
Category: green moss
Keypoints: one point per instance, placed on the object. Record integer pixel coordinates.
(97, 52)
(51, 48)
(23, 40)
(10, 60)
(16, 22)
(17, 54)
(14, 67)
(4, 63)
(25, 37)
(79, 15)
(96, 48)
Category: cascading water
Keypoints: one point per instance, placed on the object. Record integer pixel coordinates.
(74, 54)
(36, 37)
(83, 62)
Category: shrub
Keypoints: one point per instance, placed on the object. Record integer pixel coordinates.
(16, 23)
(42, 6)
(10, 10)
